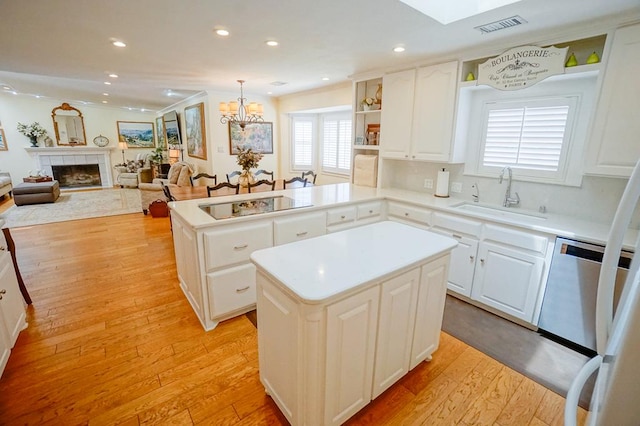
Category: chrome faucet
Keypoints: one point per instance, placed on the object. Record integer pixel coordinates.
(508, 200)
(476, 196)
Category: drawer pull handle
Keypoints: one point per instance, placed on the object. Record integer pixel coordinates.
(471, 258)
(342, 217)
(301, 234)
(242, 290)
(244, 246)
(370, 211)
(482, 261)
(456, 236)
(406, 214)
(3, 291)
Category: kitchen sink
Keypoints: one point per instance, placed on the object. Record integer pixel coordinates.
(500, 212)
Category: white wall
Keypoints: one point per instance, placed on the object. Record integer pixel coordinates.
(331, 97)
(27, 109)
(219, 161)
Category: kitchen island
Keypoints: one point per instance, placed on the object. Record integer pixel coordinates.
(344, 316)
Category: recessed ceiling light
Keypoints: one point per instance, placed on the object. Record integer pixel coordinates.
(118, 43)
(105, 102)
(107, 83)
(6, 87)
(325, 78)
(142, 109)
(269, 93)
(105, 94)
(113, 75)
(272, 43)
(222, 32)
(398, 49)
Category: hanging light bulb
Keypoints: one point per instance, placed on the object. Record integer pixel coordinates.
(239, 113)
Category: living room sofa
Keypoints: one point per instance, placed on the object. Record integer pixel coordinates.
(6, 187)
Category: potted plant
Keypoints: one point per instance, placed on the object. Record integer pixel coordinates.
(33, 131)
(157, 155)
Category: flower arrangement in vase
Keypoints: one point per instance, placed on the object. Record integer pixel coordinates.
(247, 160)
(33, 131)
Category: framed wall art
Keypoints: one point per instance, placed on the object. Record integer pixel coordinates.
(196, 137)
(136, 134)
(257, 136)
(3, 141)
(160, 131)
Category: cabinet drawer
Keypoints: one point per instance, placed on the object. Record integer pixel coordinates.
(341, 215)
(298, 228)
(412, 213)
(369, 210)
(234, 244)
(231, 289)
(457, 224)
(512, 237)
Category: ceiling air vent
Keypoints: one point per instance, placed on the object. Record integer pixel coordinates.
(501, 24)
(278, 83)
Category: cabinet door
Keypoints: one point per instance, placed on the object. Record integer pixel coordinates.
(398, 300)
(351, 339)
(430, 309)
(433, 112)
(507, 280)
(5, 348)
(464, 257)
(12, 312)
(187, 265)
(395, 122)
(614, 148)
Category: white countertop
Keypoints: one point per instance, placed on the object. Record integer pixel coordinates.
(325, 196)
(317, 269)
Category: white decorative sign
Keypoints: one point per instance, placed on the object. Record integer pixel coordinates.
(522, 67)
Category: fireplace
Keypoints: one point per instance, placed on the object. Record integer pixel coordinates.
(77, 176)
(48, 157)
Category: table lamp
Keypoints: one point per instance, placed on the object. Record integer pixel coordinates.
(174, 155)
(123, 146)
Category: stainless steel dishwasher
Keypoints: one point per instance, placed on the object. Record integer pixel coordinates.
(569, 303)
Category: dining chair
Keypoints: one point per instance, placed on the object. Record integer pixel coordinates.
(263, 172)
(204, 176)
(167, 192)
(310, 173)
(296, 182)
(233, 174)
(223, 188)
(262, 185)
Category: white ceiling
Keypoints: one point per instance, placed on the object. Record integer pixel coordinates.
(62, 48)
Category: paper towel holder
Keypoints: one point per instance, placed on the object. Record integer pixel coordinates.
(442, 184)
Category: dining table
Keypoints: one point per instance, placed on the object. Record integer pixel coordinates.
(181, 193)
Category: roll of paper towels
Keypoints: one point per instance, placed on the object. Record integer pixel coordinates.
(442, 185)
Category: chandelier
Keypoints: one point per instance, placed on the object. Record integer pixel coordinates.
(240, 114)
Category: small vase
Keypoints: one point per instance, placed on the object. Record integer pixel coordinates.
(34, 141)
(245, 178)
(379, 94)
(366, 107)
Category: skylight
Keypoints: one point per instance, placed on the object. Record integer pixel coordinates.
(447, 11)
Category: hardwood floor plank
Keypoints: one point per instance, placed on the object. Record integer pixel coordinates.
(523, 404)
(113, 340)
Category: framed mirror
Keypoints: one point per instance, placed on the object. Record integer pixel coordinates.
(69, 125)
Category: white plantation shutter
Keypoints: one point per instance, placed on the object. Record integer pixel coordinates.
(336, 145)
(532, 136)
(302, 136)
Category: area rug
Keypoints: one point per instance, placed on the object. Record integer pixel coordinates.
(73, 205)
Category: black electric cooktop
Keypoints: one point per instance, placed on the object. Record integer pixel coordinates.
(250, 207)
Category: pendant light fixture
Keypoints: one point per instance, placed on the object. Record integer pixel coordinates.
(239, 113)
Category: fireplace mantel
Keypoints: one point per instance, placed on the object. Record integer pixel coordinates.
(76, 155)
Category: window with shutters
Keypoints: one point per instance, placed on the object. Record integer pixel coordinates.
(530, 136)
(336, 144)
(303, 136)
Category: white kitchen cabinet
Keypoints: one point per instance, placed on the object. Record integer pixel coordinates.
(187, 265)
(231, 290)
(508, 280)
(613, 146)
(341, 218)
(409, 214)
(398, 301)
(233, 244)
(298, 227)
(12, 308)
(417, 122)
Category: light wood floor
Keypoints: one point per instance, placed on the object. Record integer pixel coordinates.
(112, 339)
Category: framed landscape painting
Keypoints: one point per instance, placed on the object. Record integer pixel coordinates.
(196, 137)
(257, 136)
(136, 134)
(3, 141)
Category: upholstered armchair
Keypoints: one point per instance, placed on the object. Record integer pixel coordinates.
(179, 175)
(5, 184)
